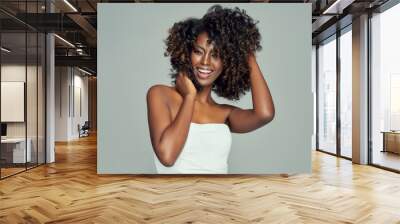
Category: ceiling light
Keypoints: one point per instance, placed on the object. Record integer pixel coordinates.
(70, 5)
(79, 51)
(65, 41)
(84, 71)
(338, 6)
(331, 7)
(5, 50)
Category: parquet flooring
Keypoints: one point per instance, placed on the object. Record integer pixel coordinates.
(10, 171)
(70, 191)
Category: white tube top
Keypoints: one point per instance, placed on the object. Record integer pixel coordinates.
(206, 151)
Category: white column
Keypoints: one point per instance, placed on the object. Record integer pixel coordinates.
(50, 100)
(50, 91)
(360, 90)
(63, 112)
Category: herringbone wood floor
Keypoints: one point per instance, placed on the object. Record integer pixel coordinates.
(70, 191)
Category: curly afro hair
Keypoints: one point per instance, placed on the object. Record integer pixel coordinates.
(234, 34)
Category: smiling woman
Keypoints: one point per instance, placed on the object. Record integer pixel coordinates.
(206, 63)
(190, 132)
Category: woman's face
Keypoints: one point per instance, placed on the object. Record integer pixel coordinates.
(206, 62)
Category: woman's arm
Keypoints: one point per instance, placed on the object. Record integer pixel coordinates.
(263, 111)
(169, 136)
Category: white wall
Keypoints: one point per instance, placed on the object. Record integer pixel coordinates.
(16, 72)
(62, 81)
(70, 83)
(79, 117)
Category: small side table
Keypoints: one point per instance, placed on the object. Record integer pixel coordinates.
(391, 141)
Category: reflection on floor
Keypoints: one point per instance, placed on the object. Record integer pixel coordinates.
(386, 159)
(10, 169)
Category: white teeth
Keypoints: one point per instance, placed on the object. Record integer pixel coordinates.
(204, 71)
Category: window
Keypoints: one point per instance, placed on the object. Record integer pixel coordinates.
(327, 96)
(346, 93)
(385, 88)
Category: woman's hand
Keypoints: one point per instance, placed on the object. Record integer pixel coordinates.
(184, 85)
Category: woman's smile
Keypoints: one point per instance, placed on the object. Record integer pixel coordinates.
(204, 72)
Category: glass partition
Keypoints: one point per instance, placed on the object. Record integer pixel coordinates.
(32, 95)
(22, 77)
(327, 96)
(14, 153)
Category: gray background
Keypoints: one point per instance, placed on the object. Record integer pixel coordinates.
(130, 61)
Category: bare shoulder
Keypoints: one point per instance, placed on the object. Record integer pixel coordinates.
(160, 92)
(226, 109)
(158, 89)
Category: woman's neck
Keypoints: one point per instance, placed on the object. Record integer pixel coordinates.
(204, 96)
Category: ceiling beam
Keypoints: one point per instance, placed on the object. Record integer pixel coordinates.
(85, 61)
